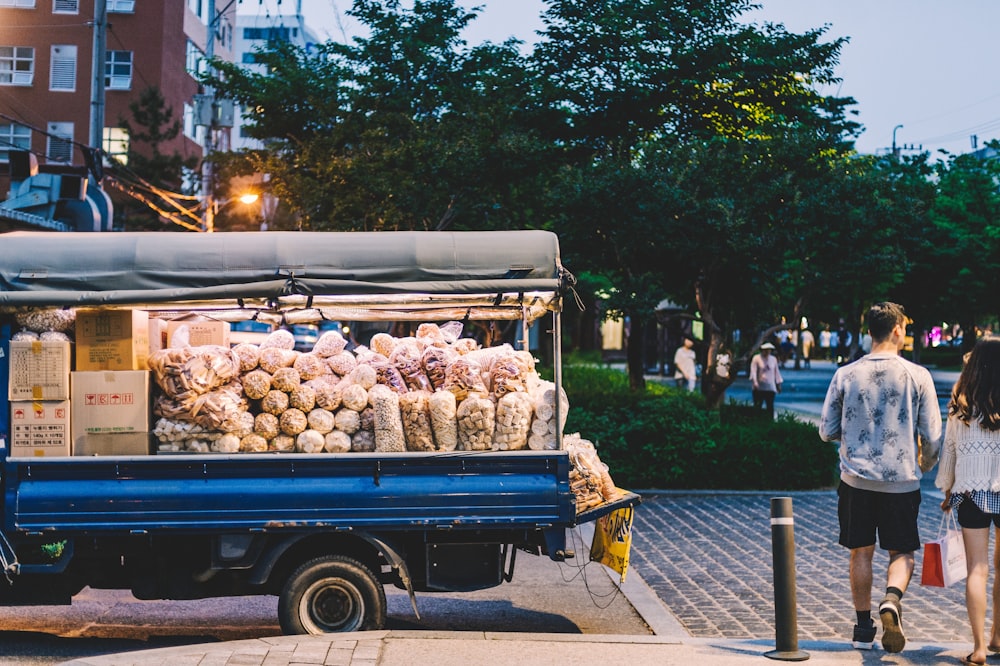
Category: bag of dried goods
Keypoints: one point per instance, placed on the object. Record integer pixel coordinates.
(388, 422)
(280, 339)
(543, 425)
(336, 441)
(249, 355)
(187, 371)
(347, 420)
(329, 344)
(464, 377)
(326, 391)
(228, 443)
(47, 319)
(444, 420)
(253, 443)
(311, 366)
(219, 409)
(321, 420)
(282, 443)
(583, 456)
(465, 345)
(309, 441)
(435, 361)
(341, 364)
(354, 397)
(302, 397)
(514, 411)
(430, 335)
(406, 359)
(363, 441)
(386, 374)
(256, 384)
(476, 420)
(292, 421)
(382, 343)
(274, 358)
(266, 425)
(286, 379)
(415, 411)
(275, 402)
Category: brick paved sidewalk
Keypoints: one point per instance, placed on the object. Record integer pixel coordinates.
(707, 555)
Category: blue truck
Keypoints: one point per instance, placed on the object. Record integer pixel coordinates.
(323, 532)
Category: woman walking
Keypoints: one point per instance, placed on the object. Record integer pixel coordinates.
(969, 475)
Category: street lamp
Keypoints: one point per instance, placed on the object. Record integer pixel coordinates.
(894, 153)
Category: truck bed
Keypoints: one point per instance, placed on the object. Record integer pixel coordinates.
(261, 492)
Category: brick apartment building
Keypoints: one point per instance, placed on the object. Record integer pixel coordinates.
(46, 55)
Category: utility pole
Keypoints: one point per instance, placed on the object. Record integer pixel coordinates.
(895, 151)
(97, 72)
(208, 223)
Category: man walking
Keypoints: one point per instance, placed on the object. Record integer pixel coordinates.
(880, 408)
(765, 379)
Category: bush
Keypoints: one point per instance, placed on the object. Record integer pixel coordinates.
(666, 438)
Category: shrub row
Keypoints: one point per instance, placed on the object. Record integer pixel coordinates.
(666, 438)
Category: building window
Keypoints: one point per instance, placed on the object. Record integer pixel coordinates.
(251, 58)
(13, 136)
(118, 70)
(62, 71)
(65, 6)
(116, 141)
(20, 4)
(269, 34)
(199, 8)
(59, 147)
(194, 59)
(121, 6)
(17, 65)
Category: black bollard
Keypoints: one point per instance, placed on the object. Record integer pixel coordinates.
(786, 629)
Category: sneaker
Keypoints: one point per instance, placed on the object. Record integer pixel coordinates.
(864, 637)
(892, 624)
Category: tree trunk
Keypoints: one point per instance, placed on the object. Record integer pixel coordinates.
(635, 352)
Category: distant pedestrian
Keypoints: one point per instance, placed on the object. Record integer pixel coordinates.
(807, 347)
(685, 365)
(877, 407)
(765, 378)
(842, 349)
(969, 475)
(824, 343)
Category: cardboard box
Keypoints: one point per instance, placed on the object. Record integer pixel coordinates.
(114, 444)
(157, 335)
(112, 339)
(201, 331)
(39, 429)
(39, 370)
(109, 402)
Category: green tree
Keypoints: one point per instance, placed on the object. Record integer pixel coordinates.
(152, 169)
(957, 271)
(641, 80)
(405, 128)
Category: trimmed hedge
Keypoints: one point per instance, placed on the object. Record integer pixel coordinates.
(666, 438)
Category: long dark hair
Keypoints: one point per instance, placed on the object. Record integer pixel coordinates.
(976, 395)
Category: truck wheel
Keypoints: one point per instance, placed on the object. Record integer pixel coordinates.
(331, 594)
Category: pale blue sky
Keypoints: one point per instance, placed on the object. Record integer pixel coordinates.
(932, 66)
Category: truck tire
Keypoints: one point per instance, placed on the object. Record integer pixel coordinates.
(331, 594)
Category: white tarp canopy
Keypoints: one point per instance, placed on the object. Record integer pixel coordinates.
(304, 269)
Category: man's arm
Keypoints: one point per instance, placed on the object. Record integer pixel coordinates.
(830, 417)
(929, 424)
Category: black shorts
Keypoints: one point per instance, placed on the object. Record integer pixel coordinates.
(972, 517)
(892, 515)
